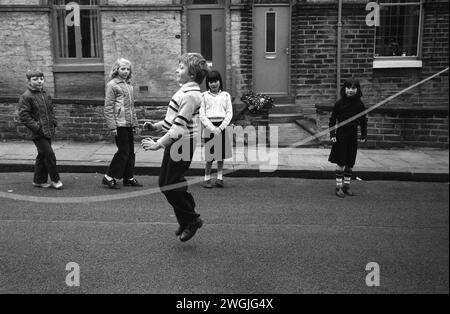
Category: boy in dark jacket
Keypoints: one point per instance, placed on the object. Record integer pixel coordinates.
(36, 113)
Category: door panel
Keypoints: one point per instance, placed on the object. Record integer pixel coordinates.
(271, 49)
(206, 34)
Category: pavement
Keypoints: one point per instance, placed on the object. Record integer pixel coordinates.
(430, 165)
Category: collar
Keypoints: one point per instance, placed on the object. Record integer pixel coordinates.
(190, 86)
(118, 80)
(35, 89)
(214, 95)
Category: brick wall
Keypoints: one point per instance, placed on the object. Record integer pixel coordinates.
(82, 120)
(78, 120)
(313, 54)
(390, 128)
(314, 42)
(243, 46)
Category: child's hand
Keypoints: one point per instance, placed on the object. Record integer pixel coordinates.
(363, 140)
(334, 139)
(217, 131)
(150, 144)
(114, 132)
(137, 130)
(149, 126)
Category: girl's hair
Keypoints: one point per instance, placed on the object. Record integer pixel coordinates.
(214, 76)
(115, 68)
(196, 64)
(351, 83)
(34, 73)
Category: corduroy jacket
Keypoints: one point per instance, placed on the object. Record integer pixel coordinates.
(37, 114)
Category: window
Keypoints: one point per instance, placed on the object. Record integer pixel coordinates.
(270, 32)
(206, 36)
(399, 32)
(204, 2)
(77, 31)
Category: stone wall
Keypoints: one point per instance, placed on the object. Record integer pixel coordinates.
(25, 44)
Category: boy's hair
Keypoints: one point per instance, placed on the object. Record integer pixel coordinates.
(214, 76)
(115, 68)
(197, 66)
(351, 83)
(34, 73)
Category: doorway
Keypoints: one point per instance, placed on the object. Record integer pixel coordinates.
(206, 35)
(271, 49)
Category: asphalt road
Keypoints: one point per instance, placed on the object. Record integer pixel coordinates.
(261, 235)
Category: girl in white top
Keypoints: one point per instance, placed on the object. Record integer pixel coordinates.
(216, 112)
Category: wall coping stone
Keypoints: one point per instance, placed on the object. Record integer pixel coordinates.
(400, 110)
(24, 8)
(92, 101)
(143, 7)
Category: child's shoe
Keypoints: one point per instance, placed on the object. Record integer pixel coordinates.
(207, 184)
(131, 182)
(347, 191)
(219, 183)
(340, 192)
(112, 184)
(42, 185)
(57, 185)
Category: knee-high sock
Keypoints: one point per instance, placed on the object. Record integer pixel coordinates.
(347, 176)
(339, 177)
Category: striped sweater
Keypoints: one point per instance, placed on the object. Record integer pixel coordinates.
(216, 108)
(182, 112)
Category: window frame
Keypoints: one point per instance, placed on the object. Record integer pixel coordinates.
(75, 64)
(401, 61)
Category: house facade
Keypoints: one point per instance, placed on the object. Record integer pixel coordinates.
(299, 52)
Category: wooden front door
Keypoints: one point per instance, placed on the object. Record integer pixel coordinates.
(206, 34)
(271, 49)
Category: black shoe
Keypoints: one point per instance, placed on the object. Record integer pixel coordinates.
(191, 229)
(207, 184)
(347, 191)
(112, 184)
(219, 183)
(340, 192)
(131, 182)
(180, 229)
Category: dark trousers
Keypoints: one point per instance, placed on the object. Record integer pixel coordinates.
(172, 173)
(45, 161)
(122, 164)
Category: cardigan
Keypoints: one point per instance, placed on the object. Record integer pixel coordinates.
(216, 108)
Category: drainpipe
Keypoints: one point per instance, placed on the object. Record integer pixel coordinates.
(339, 39)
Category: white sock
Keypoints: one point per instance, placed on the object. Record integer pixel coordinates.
(108, 177)
(219, 175)
(207, 177)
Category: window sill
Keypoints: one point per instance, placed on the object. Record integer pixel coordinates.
(396, 63)
(91, 67)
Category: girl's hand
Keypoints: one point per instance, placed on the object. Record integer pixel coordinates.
(137, 130)
(149, 126)
(363, 140)
(217, 131)
(333, 139)
(114, 132)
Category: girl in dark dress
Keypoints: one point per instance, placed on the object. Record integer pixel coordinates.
(345, 138)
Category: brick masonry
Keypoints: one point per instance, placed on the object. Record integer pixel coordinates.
(389, 128)
(153, 34)
(83, 120)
